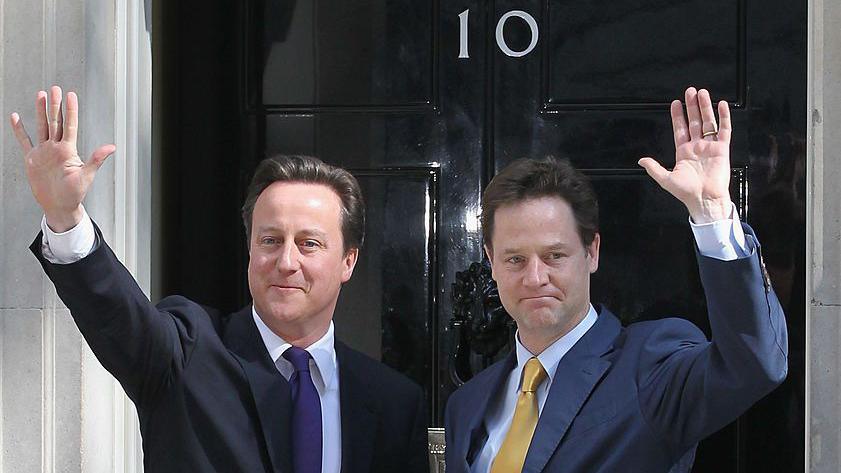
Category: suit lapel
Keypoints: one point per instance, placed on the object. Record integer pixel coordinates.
(484, 388)
(578, 373)
(270, 390)
(359, 412)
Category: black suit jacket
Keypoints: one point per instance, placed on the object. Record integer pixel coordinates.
(209, 397)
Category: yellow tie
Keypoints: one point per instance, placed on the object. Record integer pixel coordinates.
(512, 454)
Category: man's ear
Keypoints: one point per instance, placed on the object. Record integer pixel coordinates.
(593, 253)
(349, 262)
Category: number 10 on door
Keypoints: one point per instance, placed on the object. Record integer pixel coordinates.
(463, 51)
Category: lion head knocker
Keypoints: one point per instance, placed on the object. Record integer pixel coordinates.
(481, 326)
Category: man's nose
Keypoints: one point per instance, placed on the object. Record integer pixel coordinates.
(288, 261)
(536, 274)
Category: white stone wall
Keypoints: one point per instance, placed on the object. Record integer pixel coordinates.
(824, 253)
(59, 410)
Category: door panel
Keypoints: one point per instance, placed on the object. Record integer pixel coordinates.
(334, 54)
(647, 267)
(622, 55)
(387, 309)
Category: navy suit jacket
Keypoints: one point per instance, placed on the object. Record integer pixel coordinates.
(638, 399)
(209, 397)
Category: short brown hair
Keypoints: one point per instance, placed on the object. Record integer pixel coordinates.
(310, 170)
(526, 179)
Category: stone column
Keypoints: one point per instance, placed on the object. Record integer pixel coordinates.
(823, 337)
(61, 412)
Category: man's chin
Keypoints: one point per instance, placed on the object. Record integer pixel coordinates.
(538, 322)
(280, 311)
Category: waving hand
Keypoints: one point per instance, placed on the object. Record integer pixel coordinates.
(59, 178)
(701, 175)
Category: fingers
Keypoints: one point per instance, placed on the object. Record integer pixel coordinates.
(655, 170)
(71, 124)
(60, 128)
(99, 156)
(709, 128)
(679, 124)
(20, 133)
(41, 116)
(726, 127)
(54, 113)
(693, 112)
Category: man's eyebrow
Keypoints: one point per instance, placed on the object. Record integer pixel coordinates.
(267, 228)
(305, 232)
(550, 247)
(557, 246)
(313, 232)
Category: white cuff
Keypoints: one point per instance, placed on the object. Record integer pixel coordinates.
(722, 239)
(70, 246)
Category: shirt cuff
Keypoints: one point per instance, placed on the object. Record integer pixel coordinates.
(722, 239)
(70, 246)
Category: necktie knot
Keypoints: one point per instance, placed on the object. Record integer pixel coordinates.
(299, 358)
(533, 375)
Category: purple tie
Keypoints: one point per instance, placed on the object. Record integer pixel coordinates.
(306, 414)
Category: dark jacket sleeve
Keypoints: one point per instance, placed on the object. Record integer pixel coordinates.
(690, 387)
(143, 347)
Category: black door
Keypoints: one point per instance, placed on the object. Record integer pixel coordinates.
(424, 101)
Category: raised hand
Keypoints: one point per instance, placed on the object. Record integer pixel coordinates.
(57, 175)
(701, 176)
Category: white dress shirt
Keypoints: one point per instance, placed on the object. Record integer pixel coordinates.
(70, 246)
(324, 369)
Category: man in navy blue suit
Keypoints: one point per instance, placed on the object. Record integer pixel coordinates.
(266, 389)
(580, 393)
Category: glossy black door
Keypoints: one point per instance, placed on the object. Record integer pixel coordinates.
(379, 87)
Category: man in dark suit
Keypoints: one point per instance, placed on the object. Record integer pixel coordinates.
(580, 393)
(265, 389)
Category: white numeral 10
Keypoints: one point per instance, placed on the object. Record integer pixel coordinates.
(500, 37)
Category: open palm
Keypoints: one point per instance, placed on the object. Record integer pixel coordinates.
(58, 177)
(701, 175)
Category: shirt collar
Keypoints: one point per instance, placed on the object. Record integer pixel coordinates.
(551, 356)
(323, 353)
